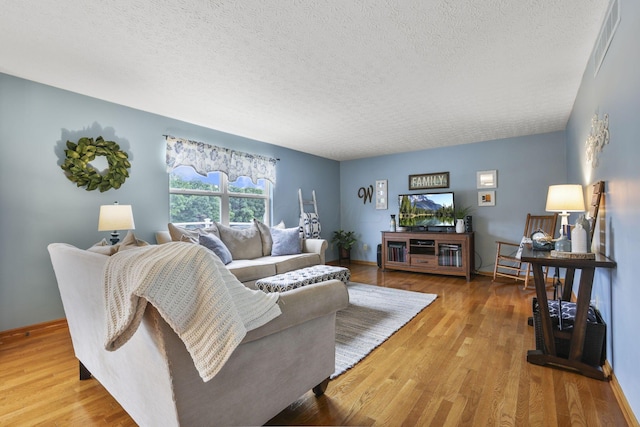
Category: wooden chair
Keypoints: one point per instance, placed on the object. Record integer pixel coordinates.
(508, 262)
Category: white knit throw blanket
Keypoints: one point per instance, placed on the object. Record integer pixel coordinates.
(206, 305)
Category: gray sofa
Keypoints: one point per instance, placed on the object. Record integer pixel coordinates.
(153, 377)
(250, 265)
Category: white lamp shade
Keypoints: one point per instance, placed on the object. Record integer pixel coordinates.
(115, 217)
(565, 198)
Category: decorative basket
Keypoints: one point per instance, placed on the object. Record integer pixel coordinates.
(594, 351)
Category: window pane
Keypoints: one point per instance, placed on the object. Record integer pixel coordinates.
(194, 198)
(243, 209)
(194, 208)
(185, 177)
(245, 185)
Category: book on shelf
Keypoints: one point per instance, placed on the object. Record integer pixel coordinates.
(397, 252)
(450, 255)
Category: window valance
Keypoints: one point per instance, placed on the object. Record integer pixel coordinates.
(205, 158)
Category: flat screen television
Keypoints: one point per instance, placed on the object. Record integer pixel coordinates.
(426, 210)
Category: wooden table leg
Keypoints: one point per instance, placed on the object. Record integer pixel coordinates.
(543, 308)
(567, 288)
(582, 309)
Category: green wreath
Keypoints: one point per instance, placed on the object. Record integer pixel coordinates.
(78, 169)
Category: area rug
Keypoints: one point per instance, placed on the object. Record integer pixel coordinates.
(374, 314)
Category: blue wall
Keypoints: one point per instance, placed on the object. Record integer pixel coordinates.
(39, 205)
(526, 166)
(616, 91)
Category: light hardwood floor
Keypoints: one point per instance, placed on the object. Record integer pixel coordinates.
(461, 361)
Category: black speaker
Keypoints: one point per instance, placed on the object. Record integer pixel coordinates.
(379, 255)
(468, 226)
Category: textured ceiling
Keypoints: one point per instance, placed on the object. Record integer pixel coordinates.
(339, 79)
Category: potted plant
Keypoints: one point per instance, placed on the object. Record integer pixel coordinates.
(344, 240)
(463, 212)
(460, 215)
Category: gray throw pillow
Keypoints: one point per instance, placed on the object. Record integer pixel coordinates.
(265, 235)
(215, 245)
(286, 242)
(178, 234)
(243, 243)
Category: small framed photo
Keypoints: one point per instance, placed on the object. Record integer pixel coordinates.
(486, 198)
(381, 194)
(487, 179)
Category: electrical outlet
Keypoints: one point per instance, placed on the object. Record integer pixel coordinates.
(365, 247)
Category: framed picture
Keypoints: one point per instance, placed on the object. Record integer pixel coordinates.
(487, 179)
(381, 194)
(429, 180)
(486, 198)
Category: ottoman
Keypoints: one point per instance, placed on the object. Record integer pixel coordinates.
(305, 276)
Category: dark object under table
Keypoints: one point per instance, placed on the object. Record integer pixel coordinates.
(548, 355)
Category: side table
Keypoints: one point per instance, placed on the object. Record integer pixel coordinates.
(548, 356)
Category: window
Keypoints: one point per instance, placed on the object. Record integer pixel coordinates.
(196, 201)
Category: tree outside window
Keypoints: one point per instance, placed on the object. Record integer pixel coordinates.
(196, 200)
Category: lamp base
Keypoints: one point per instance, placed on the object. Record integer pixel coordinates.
(564, 223)
(115, 237)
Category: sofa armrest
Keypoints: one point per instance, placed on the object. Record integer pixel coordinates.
(304, 304)
(317, 246)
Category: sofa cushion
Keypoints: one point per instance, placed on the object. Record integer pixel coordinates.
(178, 233)
(287, 263)
(247, 270)
(286, 242)
(244, 243)
(215, 245)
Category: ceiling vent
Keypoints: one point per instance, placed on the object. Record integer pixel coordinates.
(609, 26)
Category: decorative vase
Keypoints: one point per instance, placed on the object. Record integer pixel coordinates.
(460, 225)
(392, 223)
(580, 236)
(563, 244)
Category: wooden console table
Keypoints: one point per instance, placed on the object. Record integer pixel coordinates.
(548, 356)
(429, 252)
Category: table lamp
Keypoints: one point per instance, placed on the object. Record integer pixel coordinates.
(115, 217)
(565, 198)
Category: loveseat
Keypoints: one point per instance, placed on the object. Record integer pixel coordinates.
(252, 248)
(153, 376)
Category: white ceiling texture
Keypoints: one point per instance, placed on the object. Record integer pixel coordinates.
(341, 79)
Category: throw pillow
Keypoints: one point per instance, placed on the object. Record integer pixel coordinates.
(265, 235)
(177, 233)
(286, 242)
(243, 243)
(215, 245)
(104, 248)
(130, 241)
